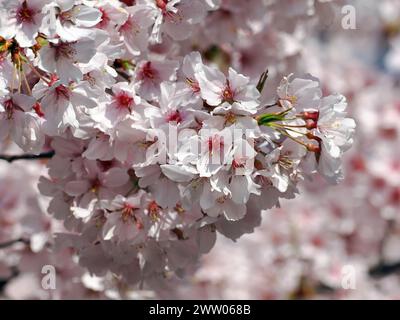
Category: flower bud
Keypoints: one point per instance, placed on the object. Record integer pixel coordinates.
(310, 115)
(313, 148)
(311, 124)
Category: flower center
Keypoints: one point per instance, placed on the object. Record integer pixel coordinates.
(148, 72)
(215, 143)
(64, 50)
(230, 118)
(128, 212)
(174, 117)
(154, 210)
(9, 108)
(221, 200)
(25, 14)
(130, 26)
(65, 16)
(95, 185)
(228, 94)
(124, 101)
(238, 163)
(105, 19)
(178, 208)
(62, 91)
(90, 79)
(194, 85)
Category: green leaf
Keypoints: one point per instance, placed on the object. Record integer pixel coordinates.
(265, 119)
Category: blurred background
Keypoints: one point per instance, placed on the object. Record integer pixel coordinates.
(331, 242)
(341, 241)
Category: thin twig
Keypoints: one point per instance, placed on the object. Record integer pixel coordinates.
(381, 249)
(124, 75)
(384, 269)
(45, 155)
(11, 242)
(261, 81)
(271, 105)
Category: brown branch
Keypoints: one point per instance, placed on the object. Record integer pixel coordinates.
(11, 158)
(12, 242)
(384, 269)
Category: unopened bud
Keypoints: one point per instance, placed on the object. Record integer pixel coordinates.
(311, 124)
(311, 136)
(313, 148)
(310, 115)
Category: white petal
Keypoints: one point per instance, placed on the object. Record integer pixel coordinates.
(115, 177)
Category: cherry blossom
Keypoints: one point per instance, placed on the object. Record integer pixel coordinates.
(161, 125)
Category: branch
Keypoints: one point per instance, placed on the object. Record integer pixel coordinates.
(384, 269)
(45, 155)
(124, 75)
(261, 81)
(11, 242)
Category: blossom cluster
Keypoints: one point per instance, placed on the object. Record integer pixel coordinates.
(157, 146)
(337, 242)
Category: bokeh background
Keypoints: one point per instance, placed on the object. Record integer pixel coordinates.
(331, 242)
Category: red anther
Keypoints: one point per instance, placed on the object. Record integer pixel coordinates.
(313, 148)
(53, 79)
(228, 93)
(311, 124)
(128, 213)
(174, 117)
(310, 115)
(238, 164)
(62, 91)
(178, 208)
(124, 100)
(38, 109)
(128, 209)
(9, 108)
(162, 4)
(194, 85)
(154, 210)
